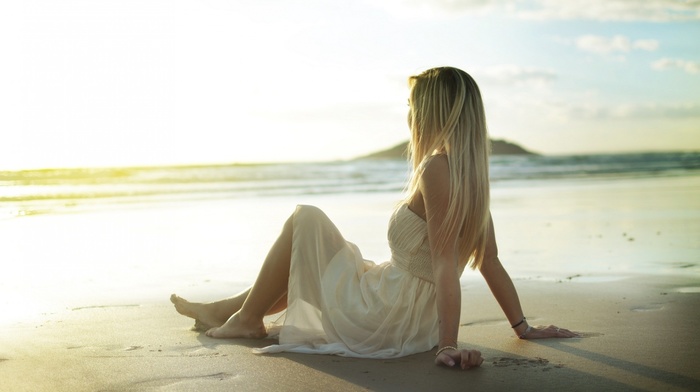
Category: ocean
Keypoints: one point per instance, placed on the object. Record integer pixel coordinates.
(72, 238)
(73, 190)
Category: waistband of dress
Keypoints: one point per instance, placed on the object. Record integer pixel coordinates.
(403, 266)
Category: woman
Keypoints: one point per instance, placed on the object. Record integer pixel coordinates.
(338, 303)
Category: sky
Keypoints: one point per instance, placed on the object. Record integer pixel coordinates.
(151, 82)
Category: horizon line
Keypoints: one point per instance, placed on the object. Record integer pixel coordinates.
(183, 165)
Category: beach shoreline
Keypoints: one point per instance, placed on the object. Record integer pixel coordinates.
(85, 295)
(639, 334)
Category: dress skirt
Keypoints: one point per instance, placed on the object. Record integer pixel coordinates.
(341, 304)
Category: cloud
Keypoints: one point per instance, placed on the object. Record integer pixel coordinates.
(455, 5)
(604, 45)
(603, 10)
(513, 74)
(427, 9)
(649, 45)
(691, 67)
(598, 111)
(611, 10)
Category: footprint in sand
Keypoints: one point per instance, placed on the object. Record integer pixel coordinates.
(183, 383)
(536, 362)
(105, 348)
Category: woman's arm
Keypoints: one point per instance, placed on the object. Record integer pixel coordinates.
(434, 187)
(504, 291)
(500, 283)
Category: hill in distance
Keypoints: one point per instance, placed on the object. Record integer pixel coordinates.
(498, 147)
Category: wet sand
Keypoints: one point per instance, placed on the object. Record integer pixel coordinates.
(85, 296)
(639, 333)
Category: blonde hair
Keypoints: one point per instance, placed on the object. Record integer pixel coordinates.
(447, 117)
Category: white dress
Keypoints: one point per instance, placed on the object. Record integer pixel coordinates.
(339, 303)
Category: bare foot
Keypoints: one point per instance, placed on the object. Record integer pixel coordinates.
(203, 316)
(235, 327)
(200, 326)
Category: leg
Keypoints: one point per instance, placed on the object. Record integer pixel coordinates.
(266, 295)
(215, 314)
(212, 314)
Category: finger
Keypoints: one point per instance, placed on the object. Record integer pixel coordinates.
(540, 332)
(471, 358)
(476, 358)
(446, 360)
(565, 333)
(465, 359)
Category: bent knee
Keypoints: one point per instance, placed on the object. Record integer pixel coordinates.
(304, 210)
(305, 214)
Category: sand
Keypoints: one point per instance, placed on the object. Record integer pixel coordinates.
(85, 305)
(639, 333)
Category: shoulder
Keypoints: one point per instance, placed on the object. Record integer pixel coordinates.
(436, 168)
(435, 177)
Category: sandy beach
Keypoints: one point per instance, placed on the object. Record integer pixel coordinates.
(614, 260)
(639, 334)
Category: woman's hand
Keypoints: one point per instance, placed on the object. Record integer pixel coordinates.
(466, 359)
(552, 331)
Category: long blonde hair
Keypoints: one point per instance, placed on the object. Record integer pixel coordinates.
(447, 117)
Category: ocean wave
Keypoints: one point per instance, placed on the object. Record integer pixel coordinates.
(44, 191)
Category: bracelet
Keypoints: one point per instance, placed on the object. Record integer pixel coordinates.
(445, 348)
(527, 330)
(519, 322)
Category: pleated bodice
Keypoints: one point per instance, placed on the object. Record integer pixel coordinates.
(408, 240)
